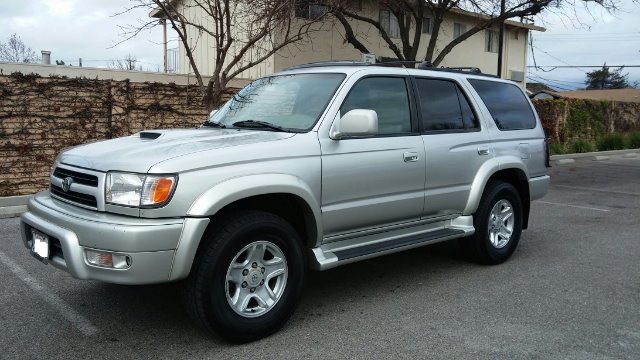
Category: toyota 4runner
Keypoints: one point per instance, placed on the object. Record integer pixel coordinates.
(317, 166)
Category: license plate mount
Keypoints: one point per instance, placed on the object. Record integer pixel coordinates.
(40, 246)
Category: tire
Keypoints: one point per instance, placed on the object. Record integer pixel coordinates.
(247, 277)
(498, 225)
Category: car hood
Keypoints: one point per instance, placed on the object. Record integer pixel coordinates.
(139, 152)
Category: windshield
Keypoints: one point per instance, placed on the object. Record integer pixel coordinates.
(283, 102)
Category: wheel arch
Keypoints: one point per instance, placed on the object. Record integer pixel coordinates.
(284, 195)
(510, 170)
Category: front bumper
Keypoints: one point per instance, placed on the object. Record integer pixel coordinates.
(161, 250)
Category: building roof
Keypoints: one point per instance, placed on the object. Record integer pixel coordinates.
(536, 87)
(623, 95)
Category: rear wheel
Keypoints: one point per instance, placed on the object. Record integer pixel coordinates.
(498, 224)
(247, 277)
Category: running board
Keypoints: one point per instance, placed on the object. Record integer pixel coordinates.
(328, 258)
(397, 243)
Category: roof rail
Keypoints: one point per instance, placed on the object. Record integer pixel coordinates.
(422, 65)
(328, 63)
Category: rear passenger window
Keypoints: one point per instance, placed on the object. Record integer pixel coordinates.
(387, 96)
(506, 103)
(444, 106)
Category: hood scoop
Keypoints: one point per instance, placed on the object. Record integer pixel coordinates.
(149, 135)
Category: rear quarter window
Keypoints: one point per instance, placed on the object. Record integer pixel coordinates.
(506, 103)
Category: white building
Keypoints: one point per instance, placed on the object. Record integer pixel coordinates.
(327, 43)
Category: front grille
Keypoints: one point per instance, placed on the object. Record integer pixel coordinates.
(85, 186)
(79, 178)
(80, 198)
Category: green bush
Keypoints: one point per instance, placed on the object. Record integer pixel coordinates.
(556, 149)
(634, 140)
(582, 146)
(611, 142)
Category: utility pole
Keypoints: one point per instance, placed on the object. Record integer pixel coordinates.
(501, 38)
(164, 44)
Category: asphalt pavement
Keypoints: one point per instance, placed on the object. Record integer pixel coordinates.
(571, 291)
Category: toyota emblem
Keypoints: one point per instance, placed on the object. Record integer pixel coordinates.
(66, 184)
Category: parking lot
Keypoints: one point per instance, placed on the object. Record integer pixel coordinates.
(571, 291)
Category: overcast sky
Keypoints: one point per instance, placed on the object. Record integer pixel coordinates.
(73, 29)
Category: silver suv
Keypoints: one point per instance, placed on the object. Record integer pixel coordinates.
(315, 167)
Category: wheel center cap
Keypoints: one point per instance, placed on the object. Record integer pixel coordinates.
(254, 278)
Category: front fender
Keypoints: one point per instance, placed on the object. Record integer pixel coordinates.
(486, 171)
(234, 189)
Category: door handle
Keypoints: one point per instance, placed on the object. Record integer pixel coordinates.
(483, 150)
(410, 157)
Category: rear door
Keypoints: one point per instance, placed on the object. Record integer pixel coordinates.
(455, 143)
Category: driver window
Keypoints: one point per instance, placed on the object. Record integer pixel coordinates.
(388, 97)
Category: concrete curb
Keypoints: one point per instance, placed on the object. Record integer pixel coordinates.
(599, 154)
(13, 206)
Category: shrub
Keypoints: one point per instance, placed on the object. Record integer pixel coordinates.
(581, 146)
(556, 149)
(611, 142)
(634, 140)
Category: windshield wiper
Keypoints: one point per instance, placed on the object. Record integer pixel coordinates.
(214, 124)
(259, 124)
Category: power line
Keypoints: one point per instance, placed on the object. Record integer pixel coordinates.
(582, 66)
(549, 84)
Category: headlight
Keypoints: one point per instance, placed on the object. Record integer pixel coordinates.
(139, 190)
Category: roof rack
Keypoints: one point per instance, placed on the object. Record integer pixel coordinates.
(422, 65)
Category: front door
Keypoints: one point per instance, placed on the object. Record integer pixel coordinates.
(375, 181)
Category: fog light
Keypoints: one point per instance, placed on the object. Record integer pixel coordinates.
(107, 259)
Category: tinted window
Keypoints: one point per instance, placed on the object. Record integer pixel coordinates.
(388, 97)
(506, 103)
(443, 106)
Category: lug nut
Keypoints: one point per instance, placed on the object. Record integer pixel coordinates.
(254, 265)
(244, 284)
(252, 289)
(263, 270)
(245, 272)
(262, 282)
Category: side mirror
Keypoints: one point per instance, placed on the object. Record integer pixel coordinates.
(355, 123)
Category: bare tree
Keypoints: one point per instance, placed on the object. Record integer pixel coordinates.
(410, 14)
(128, 63)
(244, 32)
(15, 50)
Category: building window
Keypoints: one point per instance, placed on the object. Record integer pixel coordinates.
(426, 26)
(459, 29)
(389, 23)
(310, 10)
(515, 35)
(491, 41)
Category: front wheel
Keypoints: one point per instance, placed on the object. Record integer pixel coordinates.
(247, 277)
(498, 224)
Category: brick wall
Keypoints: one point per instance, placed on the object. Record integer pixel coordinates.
(41, 116)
